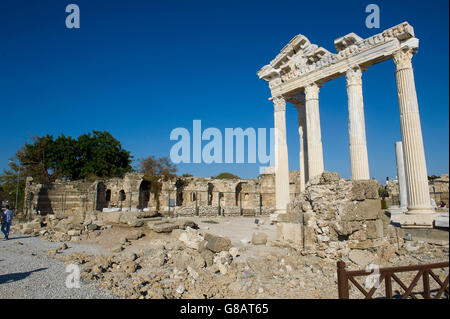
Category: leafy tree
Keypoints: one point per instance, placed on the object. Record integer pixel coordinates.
(152, 166)
(102, 155)
(226, 176)
(8, 187)
(35, 159)
(432, 178)
(95, 154)
(155, 170)
(382, 192)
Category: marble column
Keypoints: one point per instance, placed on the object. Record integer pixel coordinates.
(356, 125)
(302, 149)
(403, 193)
(420, 212)
(281, 156)
(314, 135)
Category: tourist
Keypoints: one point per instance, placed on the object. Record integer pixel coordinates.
(6, 223)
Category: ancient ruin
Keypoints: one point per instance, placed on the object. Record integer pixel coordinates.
(181, 196)
(187, 237)
(296, 75)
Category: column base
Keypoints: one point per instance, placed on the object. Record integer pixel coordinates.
(395, 210)
(277, 215)
(418, 219)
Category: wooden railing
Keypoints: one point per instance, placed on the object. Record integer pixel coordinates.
(388, 275)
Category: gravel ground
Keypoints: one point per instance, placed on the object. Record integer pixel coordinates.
(26, 272)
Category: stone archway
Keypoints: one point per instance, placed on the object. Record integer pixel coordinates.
(238, 191)
(144, 194)
(210, 193)
(179, 184)
(101, 197)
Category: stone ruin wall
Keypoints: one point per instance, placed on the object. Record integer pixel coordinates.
(335, 215)
(131, 193)
(439, 190)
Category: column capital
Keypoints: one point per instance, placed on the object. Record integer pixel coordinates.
(279, 104)
(354, 76)
(312, 91)
(402, 59)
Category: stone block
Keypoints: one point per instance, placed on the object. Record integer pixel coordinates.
(290, 232)
(217, 243)
(364, 210)
(259, 238)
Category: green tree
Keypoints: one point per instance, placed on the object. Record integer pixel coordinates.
(8, 186)
(100, 154)
(96, 154)
(35, 159)
(226, 176)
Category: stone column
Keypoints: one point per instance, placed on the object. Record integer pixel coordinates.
(356, 126)
(302, 149)
(419, 207)
(403, 193)
(281, 156)
(313, 136)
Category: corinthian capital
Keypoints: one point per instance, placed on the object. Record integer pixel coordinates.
(402, 59)
(279, 103)
(354, 76)
(312, 91)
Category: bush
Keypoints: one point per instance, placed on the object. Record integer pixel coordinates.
(383, 204)
(226, 176)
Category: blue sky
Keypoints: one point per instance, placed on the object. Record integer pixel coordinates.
(139, 69)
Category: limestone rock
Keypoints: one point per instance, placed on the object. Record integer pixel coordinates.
(217, 244)
(360, 257)
(259, 238)
(135, 235)
(192, 239)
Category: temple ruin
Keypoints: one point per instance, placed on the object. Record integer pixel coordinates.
(296, 75)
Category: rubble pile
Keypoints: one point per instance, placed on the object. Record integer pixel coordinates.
(334, 215)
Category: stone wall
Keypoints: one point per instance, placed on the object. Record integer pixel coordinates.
(439, 190)
(334, 215)
(179, 196)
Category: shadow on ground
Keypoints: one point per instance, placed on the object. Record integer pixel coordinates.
(17, 276)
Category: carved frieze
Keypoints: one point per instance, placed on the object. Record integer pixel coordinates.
(300, 57)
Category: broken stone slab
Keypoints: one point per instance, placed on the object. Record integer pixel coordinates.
(364, 189)
(92, 227)
(74, 232)
(216, 243)
(361, 210)
(110, 210)
(184, 223)
(192, 239)
(259, 238)
(117, 248)
(441, 221)
(169, 226)
(163, 227)
(361, 257)
(135, 235)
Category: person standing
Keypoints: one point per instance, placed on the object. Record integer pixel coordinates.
(6, 224)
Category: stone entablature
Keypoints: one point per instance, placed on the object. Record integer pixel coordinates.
(300, 62)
